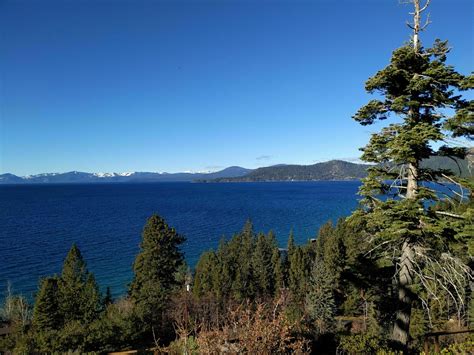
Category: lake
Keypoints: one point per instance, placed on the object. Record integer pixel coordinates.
(39, 223)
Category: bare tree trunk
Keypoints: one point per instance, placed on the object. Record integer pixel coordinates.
(412, 180)
(400, 333)
(416, 24)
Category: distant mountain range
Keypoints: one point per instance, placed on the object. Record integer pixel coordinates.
(330, 170)
(81, 177)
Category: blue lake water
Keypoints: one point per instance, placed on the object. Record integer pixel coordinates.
(39, 223)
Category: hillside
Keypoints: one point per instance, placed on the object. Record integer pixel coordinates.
(458, 166)
(331, 170)
(337, 170)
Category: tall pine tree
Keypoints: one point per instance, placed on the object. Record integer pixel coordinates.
(155, 267)
(319, 300)
(46, 314)
(66, 306)
(79, 293)
(262, 265)
(418, 87)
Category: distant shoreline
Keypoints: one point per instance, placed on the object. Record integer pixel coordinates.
(266, 181)
(165, 182)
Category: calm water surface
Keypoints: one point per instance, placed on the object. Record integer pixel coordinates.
(38, 223)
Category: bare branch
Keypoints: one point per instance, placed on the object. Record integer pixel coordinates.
(426, 6)
(427, 22)
(378, 246)
(449, 214)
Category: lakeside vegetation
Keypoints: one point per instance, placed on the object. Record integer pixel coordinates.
(375, 282)
(248, 295)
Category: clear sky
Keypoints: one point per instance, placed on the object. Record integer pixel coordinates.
(197, 85)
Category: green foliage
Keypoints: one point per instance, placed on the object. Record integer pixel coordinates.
(180, 346)
(116, 329)
(206, 278)
(332, 251)
(155, 271)
(279, 270)
(247, 266)
(262, 264)
(299, 266)
(417, 86)
(319, 302)
(79, 297)
(419, 326)
(66, 306)
(459, 349)
(92, 303)
(414, 86)
(46, 313)
(361, 343)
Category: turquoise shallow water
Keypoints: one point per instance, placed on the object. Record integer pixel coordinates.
(38, 223)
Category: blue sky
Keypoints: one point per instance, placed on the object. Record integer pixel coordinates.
(197, 85)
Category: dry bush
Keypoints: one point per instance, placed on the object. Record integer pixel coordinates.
(253, 329)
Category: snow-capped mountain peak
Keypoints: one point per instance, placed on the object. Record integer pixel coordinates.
(128, 176)
(107, 175)
(40, 175)
(101, 175)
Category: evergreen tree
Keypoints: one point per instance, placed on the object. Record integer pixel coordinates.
(325, 232)
(71, 286)
(66, 306)
(239, 262)
(46, 313)
(299, 263)
(223, 278)
(291, 246)
(297, 272)
(278, 270)
(319, 301)
(291, 266)
(91, 300)
(246, 271)
(262, 265)
(334, 255)
(205, 274)
(154, 270)
(417, 86)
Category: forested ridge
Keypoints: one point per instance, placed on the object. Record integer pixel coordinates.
(331, 170)
(379, 281)
(343, 170)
